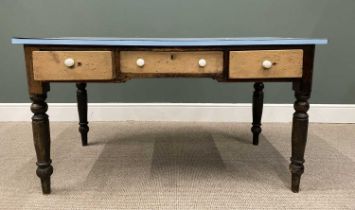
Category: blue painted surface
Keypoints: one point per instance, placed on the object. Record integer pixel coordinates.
(167, 42)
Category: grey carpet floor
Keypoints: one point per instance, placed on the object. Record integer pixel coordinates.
(165, 165)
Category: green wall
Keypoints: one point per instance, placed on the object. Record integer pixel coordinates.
(334, 80)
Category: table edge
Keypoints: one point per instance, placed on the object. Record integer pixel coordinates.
(166, 42)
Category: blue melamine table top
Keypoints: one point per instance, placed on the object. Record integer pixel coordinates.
(167, 42)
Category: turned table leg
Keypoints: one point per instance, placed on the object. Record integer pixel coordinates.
(82, 100)
(41, 138)
(258, 98)
(302, 89)
(299, 137)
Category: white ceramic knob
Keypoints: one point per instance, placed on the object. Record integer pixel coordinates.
(267, 64)
(140, 62)
(69, 62)
(202, 62)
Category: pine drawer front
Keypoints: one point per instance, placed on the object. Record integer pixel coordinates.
(150, 62)
(265, 64)
(72, 65)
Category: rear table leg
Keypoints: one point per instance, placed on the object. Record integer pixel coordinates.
(81, 96)
(258, 100)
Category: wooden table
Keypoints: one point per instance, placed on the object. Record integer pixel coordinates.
(83, 60)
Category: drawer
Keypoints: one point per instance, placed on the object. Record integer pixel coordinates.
(72, 65)
(265, 64)
(151, 62)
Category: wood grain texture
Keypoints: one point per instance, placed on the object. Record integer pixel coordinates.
(34, 87)
(171, 62)
(89, 65)
(248, 64)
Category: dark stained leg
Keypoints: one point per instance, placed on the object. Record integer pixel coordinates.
(41, 138)
(299, 136)
(82, 99)
(302, 89)
(258, 100)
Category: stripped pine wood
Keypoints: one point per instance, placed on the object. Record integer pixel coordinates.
(171, 62)
(89, 65)
(248, 64)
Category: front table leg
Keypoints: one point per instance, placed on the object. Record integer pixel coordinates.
(82, 99)
(299, 137)
(41, 138)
